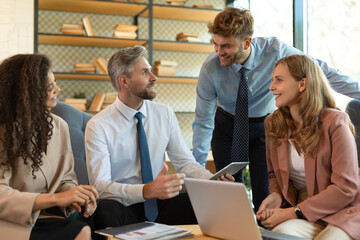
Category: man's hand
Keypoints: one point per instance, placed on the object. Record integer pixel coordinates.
(226, 177)
(164, 186)
(279, 215)
(272, 201)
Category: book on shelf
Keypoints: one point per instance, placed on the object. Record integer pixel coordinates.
(72, 29)
(71, 26)
(126, 28)
(165, 63)
(87, 25)
(101, 63)
(84, 65)
(79, 103)
(84, 68)
(121, 34)
(185, 34)
(97, 102)
(201, 5)
(75, 100)
(164, 71)
(189, 39)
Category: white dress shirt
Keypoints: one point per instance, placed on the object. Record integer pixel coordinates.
(112, 151)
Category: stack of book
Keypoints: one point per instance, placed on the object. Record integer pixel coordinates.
(84, 67)
(79, 103)
(188, 37)
(201, 5)
(176, 2)
(125, 31)
(101, 63)
(87, 25)
(165, 68)
(72, 29)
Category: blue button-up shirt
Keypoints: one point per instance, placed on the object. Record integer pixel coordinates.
(218, 86)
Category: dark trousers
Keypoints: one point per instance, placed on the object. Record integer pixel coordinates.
(353, 109)
(174, 211)
(221, 149)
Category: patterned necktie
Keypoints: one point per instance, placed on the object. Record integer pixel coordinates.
(150, 205)
(240, 142)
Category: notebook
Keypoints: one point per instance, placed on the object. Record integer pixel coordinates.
(223, 210)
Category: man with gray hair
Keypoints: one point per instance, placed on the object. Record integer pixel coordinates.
(128, 140)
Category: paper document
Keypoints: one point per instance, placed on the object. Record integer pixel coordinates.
(144, 231)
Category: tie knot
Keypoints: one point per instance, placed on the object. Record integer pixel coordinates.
(138, 116)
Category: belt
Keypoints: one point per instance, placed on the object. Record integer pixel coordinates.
(230, 116)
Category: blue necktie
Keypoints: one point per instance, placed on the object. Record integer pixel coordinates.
(240, 142)
(150, 205)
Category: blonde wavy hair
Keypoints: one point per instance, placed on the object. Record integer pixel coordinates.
(312, 101)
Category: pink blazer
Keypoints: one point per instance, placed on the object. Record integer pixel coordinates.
(18, 188)
(331, 173)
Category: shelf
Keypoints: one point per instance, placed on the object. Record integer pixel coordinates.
(183, 46)
(104, 77)
(100, 7)
(182, 13)
(74, 40)
(131, 9)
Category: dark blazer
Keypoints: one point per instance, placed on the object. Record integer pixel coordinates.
(331, 173)
(18, 188)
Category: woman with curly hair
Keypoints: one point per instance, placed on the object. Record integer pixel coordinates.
(311, 156)
(36, 160)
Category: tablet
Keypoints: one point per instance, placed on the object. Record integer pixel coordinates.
(232, 168)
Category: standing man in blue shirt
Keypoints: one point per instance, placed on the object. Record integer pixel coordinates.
(217, 90)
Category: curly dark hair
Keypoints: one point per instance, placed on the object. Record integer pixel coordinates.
(25, 122)
(233, 22)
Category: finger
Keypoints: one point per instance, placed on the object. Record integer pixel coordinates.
(88, 191)
(229, 177)
(262, 206)
(76, 206)
(176, 176)
(92, 190)
(163, 170)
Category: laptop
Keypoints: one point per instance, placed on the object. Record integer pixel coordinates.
(223, 210)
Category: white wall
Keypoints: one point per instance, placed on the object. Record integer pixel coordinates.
(16, 27)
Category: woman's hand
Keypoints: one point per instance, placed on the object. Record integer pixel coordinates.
(279, 215)
(81, 195)
(272, 201)
(89, 208)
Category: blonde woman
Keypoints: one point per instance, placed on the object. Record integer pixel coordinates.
(311, 156)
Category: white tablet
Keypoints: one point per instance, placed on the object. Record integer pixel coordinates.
(232, 168)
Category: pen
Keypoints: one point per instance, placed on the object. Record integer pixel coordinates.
(106, 188)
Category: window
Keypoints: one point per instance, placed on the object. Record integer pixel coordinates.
(272, 18)
(333, 34)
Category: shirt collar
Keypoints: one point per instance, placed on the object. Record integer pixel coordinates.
(129, 112)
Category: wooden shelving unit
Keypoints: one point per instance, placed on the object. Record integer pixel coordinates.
(104, 77)
(126, 9)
